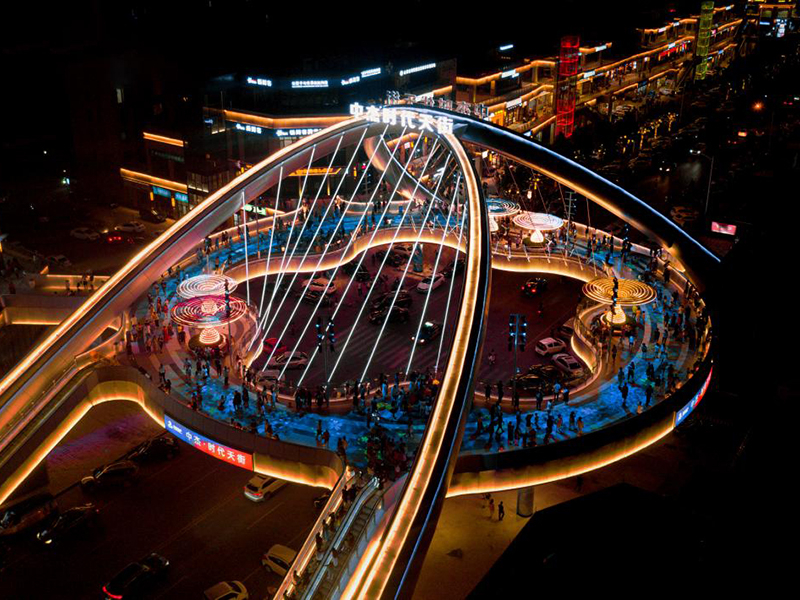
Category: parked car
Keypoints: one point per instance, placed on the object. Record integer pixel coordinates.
(278, 559)
(59, 260)
(568, 363)
(565, 330)
(398, 315)
(120, 472)
(316, 297)
(130, 227)
(319, 284)
(458, 268)
(432, 282)
(159, 448)
(151, 216)
(261, 487)
(137, 578)
(539, 377)
(290, 360)
(428, 332)
(383, 301)
(269, 346)
(84, 233)
(27, 513)
(68, 523)
(534, 286)
(227, 590)
(549, 345)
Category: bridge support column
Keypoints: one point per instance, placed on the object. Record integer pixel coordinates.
(525, 501)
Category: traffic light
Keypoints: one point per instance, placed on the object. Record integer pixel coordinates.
(512, 332)
(523, 332)
(331, 336)
(320, 336)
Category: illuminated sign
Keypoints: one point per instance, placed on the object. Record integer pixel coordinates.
(681, 415)
(405, 72)
(256, 209)
(371, 72)
(509, 73)
(600, 48)
(297, 132)
(403, 117)
(723, 228)
(181, 197)
(248, 128)
(202, 443)
(514, 102)
(670, 46)
(259, 81)
(310, 83)
(506, 47)
(316, 171)
(159, 191)
(349, 80)
(588, 74)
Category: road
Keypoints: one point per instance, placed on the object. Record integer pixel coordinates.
(191, 510)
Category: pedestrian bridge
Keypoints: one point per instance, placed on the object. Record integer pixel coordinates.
(73, 370)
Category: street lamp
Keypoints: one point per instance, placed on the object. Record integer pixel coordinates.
(710, 174)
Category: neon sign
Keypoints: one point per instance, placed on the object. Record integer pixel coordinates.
(248, 128)
(506, 47)
(406, 118)
(371, 72)
(297, 132)
(259, 81)
(210, 447)
(349, 80)
(417, 69)
(509, 73)
(310, 83)
(692, 404)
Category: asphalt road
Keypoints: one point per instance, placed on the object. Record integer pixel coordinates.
(191, 510)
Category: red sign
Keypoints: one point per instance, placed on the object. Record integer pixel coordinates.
(235, 457)
(723, 228)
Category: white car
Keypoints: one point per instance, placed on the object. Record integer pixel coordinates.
(549, 345)
(261, 487)
(278, 559)
(430, 282)
(289, 360)
(227, 590)
(318, 285)
(84, 233)
(130, 227)
(568, 363)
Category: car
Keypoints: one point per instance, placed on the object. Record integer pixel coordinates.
(68, 523)
(269, 346)
(458, 268)
(151, 216)
(565, 330)
(534, 286)
(130, 227)
(118, 238)
(404, 299)
(666, 166)
(431, 282)
(538, 377)
(568, 363)
(120, 472)
(319, 284)
(59, 260)
(159, 448)
(227, 590)
(314, 297)
(261, 487)
(137, 578)
(84, 233)
(358, 272)
(27, 513)
(398, 315)
(290, 360)
(549, 345)
(428, 332)
(278, 559)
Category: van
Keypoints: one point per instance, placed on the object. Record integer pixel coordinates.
(549, 345)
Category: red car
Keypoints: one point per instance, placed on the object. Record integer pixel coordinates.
(269, 345)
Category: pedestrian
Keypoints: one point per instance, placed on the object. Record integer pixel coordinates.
(501, 511)
(491, 508)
